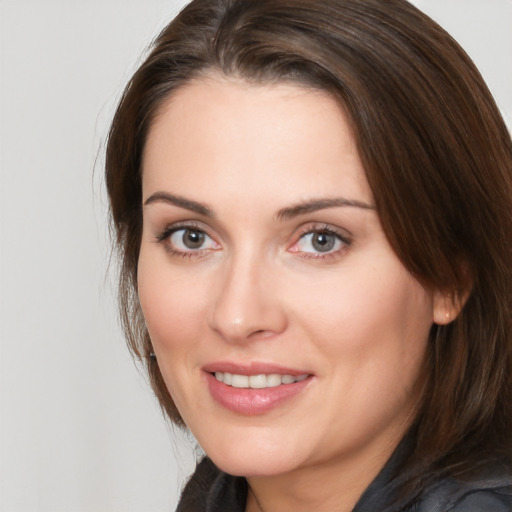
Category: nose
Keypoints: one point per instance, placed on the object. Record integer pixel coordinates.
(246, 305)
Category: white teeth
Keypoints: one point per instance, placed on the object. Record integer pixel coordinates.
(257, 381)
(240, 381)
(273, 380)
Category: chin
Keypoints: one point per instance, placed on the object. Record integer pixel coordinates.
(251, 459)
(249, 466)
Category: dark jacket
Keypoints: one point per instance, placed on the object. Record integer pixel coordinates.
(489, 490)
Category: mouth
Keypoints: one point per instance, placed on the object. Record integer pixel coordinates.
(260, 381)
(255, 389)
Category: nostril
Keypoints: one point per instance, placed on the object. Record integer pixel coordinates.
(261, 333)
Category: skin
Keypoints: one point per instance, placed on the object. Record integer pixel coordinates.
(257, 289)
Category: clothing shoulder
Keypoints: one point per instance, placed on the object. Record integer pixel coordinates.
(484, 501)
(211, 490)
(475, 501)
(195, 494)
(489, 493)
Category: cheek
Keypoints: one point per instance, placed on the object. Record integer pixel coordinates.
(173, 309)
(368, 314)
(171, 302)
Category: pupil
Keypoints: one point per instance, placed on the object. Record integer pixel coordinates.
(323, 242)
(193, 239)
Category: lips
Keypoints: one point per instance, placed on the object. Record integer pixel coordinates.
(256, 388)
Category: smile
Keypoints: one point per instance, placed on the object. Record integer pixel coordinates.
(254, 389)
(261, 381)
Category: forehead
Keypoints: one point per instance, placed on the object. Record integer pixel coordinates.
(214, 132)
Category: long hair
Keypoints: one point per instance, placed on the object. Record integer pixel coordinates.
(437, 156)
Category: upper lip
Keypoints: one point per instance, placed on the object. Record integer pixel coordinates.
(253, 368)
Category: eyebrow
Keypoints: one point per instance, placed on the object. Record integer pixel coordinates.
(181, 202)
(289, 212)
(320, 204)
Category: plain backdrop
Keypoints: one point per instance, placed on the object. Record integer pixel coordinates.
(79, 429)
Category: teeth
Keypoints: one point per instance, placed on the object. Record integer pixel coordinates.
(257, 381)
(240, 381)
(287, 379)
(274, 380)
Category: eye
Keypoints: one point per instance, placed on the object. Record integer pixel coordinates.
(318, 242)
(187, 240)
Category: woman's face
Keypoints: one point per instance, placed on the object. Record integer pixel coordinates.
(286, 329)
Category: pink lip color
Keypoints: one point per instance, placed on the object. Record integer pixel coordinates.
(254, 368)
(249, 401)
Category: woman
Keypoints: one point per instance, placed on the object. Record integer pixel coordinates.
(312, 203)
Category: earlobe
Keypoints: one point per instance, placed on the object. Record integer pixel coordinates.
(447, 306)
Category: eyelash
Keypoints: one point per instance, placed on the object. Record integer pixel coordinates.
(165, 235)
(325, 230)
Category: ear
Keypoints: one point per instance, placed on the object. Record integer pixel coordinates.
(447, 306)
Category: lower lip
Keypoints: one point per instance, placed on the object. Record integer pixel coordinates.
(250, 401)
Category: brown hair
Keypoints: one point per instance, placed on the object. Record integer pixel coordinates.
(438, 159)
